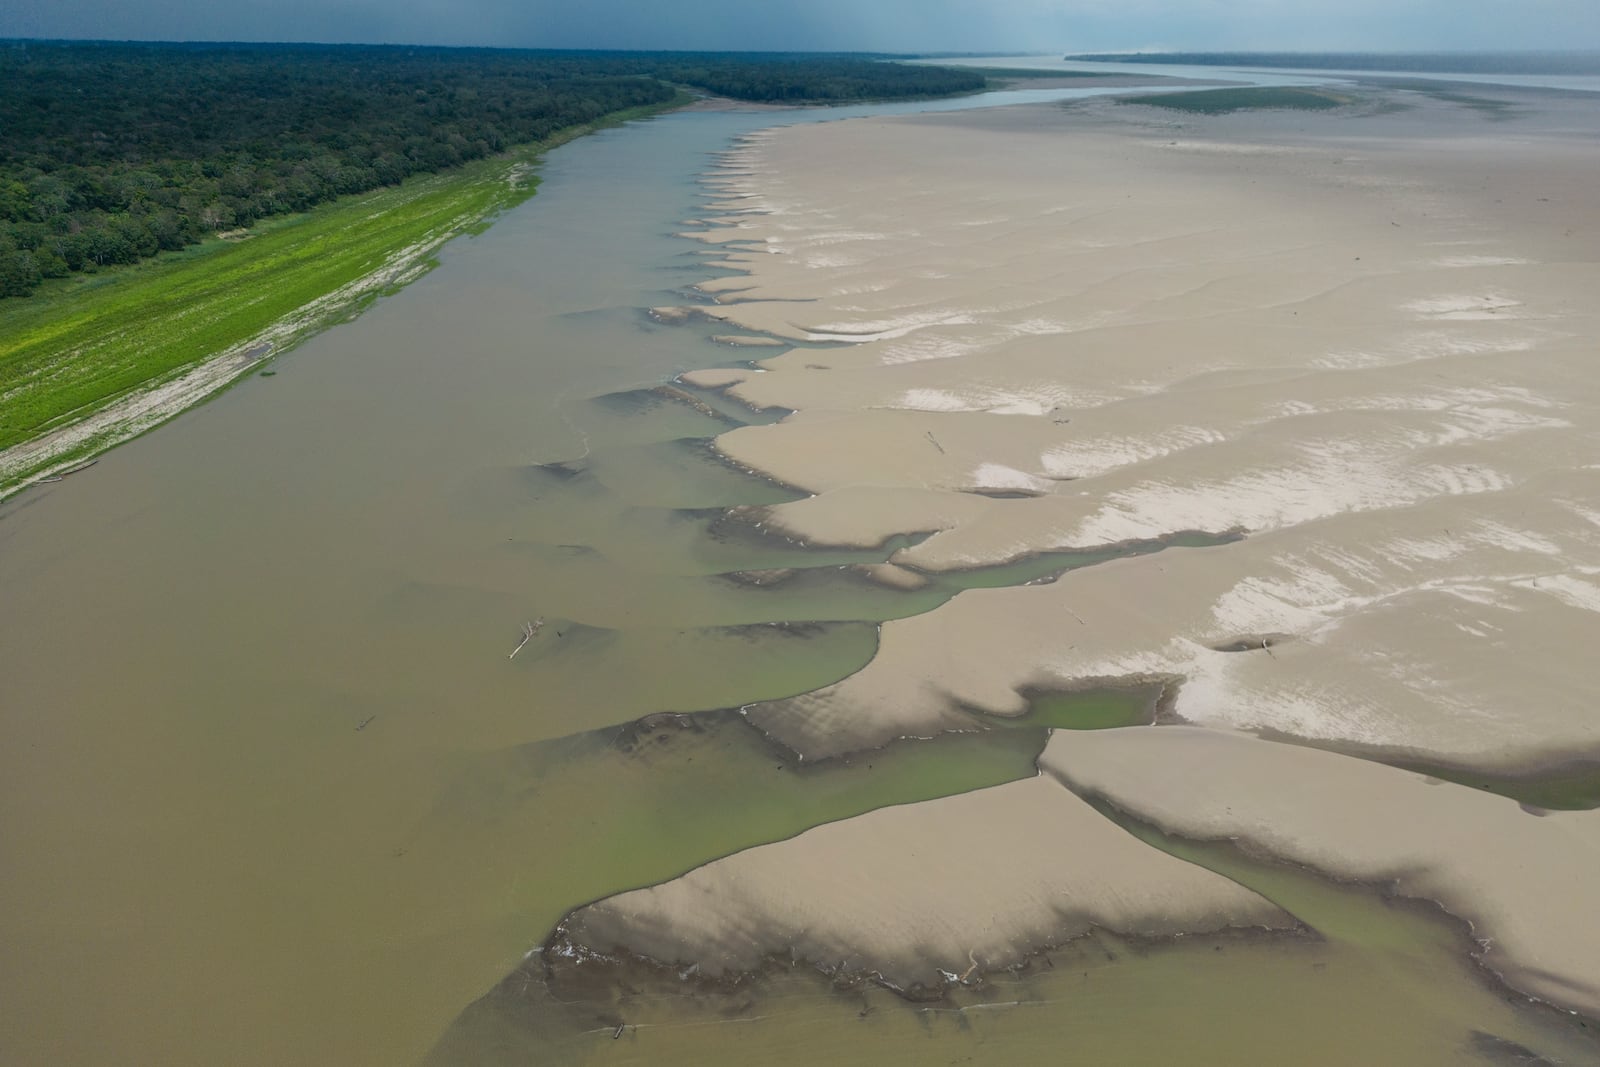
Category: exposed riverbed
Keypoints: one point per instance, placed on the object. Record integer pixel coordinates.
(272, 788)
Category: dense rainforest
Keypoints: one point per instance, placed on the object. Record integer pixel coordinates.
(111, 153)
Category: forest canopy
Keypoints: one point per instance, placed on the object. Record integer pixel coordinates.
(111, 153)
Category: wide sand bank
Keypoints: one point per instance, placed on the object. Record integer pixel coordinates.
(1363, 339)
(922, 895)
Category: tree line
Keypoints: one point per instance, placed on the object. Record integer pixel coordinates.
(111, 153)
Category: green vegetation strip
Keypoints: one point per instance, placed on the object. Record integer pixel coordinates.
(81, 345)
(1224, 101)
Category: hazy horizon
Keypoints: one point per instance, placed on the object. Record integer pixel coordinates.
(902, 26)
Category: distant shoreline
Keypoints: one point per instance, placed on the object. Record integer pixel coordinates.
(1418, 62)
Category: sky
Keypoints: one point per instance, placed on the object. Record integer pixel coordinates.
(1041, 26)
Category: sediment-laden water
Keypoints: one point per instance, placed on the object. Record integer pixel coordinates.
(274, 788)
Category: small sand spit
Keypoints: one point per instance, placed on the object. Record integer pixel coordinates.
(738, 340)
(1525, 881)
(923, 894)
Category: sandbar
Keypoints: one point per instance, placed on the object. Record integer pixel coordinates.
(921, 896)
(1362, 339)
(1359, 341)
(1523, 880)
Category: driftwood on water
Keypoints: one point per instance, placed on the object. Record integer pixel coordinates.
(530, 630)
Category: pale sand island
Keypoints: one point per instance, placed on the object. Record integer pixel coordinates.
(1036, 866)
(1363, 339)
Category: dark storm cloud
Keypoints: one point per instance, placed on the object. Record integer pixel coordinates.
(885, 25)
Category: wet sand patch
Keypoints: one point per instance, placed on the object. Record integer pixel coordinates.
(1513, 876)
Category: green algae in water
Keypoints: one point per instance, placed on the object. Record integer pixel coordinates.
(607, 811)
(1101, 708)
(1104, 707)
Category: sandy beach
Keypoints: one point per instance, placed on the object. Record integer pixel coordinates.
(1361, 339)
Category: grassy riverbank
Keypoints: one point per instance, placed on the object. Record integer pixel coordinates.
(75, 354)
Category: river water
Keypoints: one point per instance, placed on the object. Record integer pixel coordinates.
(272, 788)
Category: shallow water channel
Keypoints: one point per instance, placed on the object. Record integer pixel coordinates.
(272, 789)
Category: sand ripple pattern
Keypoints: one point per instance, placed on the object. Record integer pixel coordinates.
(1365, 344)
(1068, 335)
